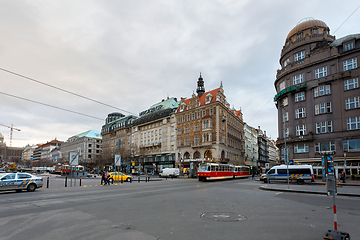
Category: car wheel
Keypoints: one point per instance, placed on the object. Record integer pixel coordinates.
(31, 187)
(128, 179)
(111, 181)
(300, 181)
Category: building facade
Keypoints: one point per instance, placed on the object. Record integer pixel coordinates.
(42, 154)
(251, 146)
(318, 95)
(88, 144)
(263, 143)
(153, 137)
(27, 154)
(116, 139)
(9, 154)
(208, 130)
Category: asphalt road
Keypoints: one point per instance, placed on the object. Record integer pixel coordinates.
(171, 209)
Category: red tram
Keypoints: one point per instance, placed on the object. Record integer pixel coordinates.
(65, 169)
(221, 171)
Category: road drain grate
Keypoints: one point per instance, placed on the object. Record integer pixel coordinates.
(222, 217)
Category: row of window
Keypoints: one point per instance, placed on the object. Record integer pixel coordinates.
(323, 90)
(196, 115)
(320, 72)
(205, 124)
(322, 108)
(326, 127)
(348, 146)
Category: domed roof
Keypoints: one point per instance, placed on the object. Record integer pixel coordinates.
(306, 24)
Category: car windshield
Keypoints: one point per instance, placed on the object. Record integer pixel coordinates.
(2, 174)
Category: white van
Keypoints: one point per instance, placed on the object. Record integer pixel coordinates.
(297, 173)
(170, 172)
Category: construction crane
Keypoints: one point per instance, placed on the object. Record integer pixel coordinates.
(11, 131)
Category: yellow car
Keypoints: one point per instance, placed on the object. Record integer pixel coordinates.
(117, 177)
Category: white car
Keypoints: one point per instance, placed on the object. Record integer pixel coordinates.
(20, 181)
(170, 172)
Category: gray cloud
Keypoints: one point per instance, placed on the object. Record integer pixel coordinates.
(132, 54)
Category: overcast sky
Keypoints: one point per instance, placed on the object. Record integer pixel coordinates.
(132, 54)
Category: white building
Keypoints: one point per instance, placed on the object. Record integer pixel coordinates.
(88, 144)
(251, 145)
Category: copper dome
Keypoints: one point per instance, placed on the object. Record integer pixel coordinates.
(302, 25)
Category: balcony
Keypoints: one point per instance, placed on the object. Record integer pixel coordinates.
(201, 144)
(150, 145)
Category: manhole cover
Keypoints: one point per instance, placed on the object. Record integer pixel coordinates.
(223, 217)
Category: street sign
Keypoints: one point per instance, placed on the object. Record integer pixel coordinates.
(73, 158)
(117, 159)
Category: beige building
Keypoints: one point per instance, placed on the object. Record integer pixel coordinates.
(88, 144)
(153, 137)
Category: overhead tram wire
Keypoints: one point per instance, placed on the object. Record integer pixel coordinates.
(260, 109)
(347, 19)
(48, 105)
(60, 89)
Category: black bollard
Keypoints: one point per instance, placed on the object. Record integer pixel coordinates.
(139, 179)
(122, 180)
(47, 183)
(65, 181)
(131, 180)
(80, 181)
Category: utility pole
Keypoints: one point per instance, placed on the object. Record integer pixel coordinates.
(11, 131)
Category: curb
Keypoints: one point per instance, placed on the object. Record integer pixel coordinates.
(307, 192)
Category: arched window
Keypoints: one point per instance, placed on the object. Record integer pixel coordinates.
(187, 155)
(196, 155)
(223, 155)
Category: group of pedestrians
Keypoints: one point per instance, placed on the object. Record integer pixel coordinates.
(104, 177)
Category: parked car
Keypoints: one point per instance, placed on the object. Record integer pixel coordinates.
(170, 172)
(118, 176)
(20, 181)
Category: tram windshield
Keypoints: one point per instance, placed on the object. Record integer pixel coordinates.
(203, 168)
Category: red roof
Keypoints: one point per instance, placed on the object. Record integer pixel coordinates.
(202, 99)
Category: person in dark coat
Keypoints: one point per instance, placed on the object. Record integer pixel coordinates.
(103, 178)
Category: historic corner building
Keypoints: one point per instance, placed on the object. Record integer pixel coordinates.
(318, 96)
(208, 130)
(153, 136)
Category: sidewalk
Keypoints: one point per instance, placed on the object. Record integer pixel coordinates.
(351, 188)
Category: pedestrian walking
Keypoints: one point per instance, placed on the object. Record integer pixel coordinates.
(103, 179)
(106, 177)
(253, 174)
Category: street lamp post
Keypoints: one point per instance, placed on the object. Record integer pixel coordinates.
(285, 150)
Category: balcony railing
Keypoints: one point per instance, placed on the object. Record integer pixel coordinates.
(150, 145)
(201, 144)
